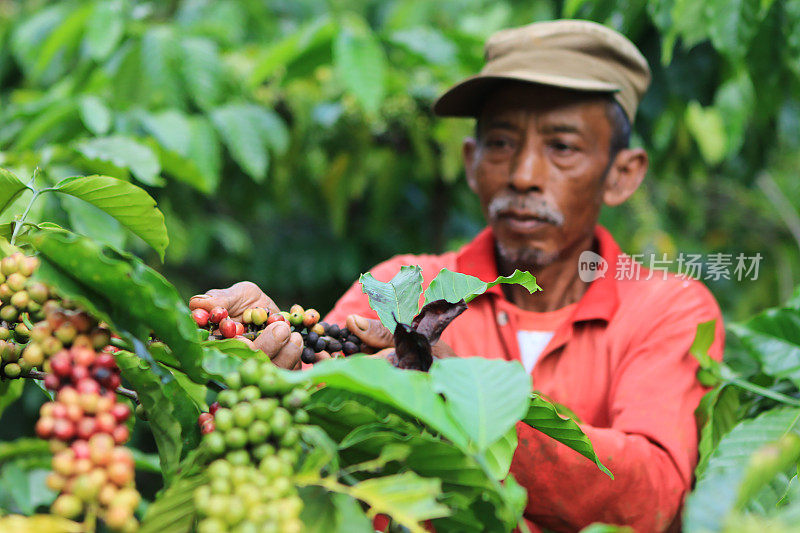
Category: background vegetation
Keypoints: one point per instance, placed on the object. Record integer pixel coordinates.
(291, 142)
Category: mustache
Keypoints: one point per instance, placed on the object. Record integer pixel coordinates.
(536, 207)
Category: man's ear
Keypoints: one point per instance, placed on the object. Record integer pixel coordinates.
(625, 175)
(469, 150)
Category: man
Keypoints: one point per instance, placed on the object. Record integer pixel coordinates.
(554, 105)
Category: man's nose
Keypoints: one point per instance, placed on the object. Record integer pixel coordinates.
(528, 172)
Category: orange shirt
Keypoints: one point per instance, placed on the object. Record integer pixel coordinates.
(620, 362)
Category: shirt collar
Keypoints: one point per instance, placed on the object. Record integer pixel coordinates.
(598, 302)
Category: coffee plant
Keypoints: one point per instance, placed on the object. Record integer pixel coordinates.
(243, 445)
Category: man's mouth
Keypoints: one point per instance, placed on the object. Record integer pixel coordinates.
(523, 221)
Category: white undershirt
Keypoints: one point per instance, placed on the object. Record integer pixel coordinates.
(531, 346)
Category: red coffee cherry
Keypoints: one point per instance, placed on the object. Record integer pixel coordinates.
(201, 317)
(218, 314)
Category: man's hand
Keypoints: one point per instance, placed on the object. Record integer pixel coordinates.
(380, 341)
(277, 340)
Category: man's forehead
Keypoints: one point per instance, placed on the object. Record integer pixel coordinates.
(513, 103)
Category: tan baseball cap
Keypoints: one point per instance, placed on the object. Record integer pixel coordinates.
(571, 54)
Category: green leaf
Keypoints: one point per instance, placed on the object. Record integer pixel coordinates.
(542, 415)
(718, 489)
(201, 68)
(486, 396)
(10, 188)
(170, 128)
(171, 413)
(94, 114)
(125, 153)
(206, 152)
(499, 454)
(39, 524)
(708, 130)
(65, 36)
(104, 29)
(773, 339)
(409, 392)
(21, 448)
(329, 512)
(718, 413)
(307, 40)
(703, 339)
(427, 42)
(360, 62)
(241, 132)
(129, 204)
(454, 286)
(10, 391)
(174, 510)
(407, 498)
(99, 277)
(396, 300)
(25, 487)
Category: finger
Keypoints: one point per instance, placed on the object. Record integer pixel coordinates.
(289, 355)
(371, 332)
(273, 338)
(321, 356)
(442, 350)
(388, 354)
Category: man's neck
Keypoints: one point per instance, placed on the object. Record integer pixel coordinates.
(561, 285)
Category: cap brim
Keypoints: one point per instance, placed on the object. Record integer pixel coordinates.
(466, 98)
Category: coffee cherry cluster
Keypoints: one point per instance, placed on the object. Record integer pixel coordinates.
(317, 336)
(22, 300)
(86, 424)
(218, 319)
(258, 422)
(96, 477)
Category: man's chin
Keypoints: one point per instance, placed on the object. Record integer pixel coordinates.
(525, 256)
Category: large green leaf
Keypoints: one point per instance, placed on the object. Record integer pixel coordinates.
(773, 339)
(201, 68)
(396, 300)
(720, 486)
(408, 392)
(360, 62)
(487, 397)
(242, 133)
(103, 278)
(455, 286)
(171, 412)
(23, 489)
(10, 188)
(104, 28)
(542, 415)
(718, 413)
(129, 204)
(94, 114)
(125, 153)
(65, 37)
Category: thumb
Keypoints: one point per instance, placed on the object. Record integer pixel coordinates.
(371, 332)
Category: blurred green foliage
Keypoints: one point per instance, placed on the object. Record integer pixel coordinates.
(291, 142)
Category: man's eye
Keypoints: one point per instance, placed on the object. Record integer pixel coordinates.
(562, 148)
(498, 144)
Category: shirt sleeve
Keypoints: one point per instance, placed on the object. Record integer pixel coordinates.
(651, 444)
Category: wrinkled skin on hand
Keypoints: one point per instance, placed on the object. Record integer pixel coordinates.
(277, 340)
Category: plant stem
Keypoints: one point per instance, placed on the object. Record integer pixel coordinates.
(18, 224)
(777, 396)
(128, 393)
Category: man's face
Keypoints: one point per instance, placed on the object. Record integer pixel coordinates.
(538, 169)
